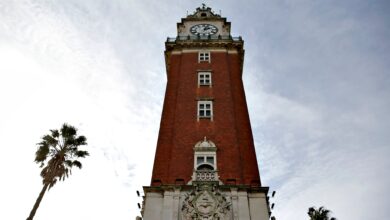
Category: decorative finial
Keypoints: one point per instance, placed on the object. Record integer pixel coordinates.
(203, 5)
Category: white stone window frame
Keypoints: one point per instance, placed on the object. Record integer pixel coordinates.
(202, 80)
(204, 109)
(204, 155)
(204, 56)
(204, 149)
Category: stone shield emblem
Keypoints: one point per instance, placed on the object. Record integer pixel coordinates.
(205, 203)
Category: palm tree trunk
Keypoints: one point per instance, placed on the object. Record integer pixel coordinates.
(39, 199)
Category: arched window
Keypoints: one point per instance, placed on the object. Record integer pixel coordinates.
(205, 162)
(205, 167)
(205, 156)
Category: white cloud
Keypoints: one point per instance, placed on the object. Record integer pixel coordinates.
(50, 74)
(316, 94)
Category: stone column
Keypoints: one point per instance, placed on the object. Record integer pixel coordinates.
(153, 206)
(167, 212)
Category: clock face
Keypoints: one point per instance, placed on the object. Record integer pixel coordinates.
(204, 29)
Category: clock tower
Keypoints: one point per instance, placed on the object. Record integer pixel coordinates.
(205, 165)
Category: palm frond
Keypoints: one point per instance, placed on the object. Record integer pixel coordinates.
(42, 152)
(50, 140)
(69, 163)
(55, 133)
(68, 131)
(69, 141)
(319, 214)
(77, 164)
(81, 153)
(81, 140)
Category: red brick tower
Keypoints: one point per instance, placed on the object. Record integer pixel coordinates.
(205, 165)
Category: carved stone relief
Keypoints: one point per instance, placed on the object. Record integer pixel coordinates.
(206, 203)
(181, 29)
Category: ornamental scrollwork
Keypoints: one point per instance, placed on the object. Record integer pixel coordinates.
(205, 204)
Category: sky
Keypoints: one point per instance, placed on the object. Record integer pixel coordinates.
(316, 76)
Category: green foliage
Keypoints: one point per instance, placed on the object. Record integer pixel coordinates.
(77, 164)
(319, 214)
(41, 154)
(58, 153)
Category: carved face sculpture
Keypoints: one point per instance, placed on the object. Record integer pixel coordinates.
(205, 203)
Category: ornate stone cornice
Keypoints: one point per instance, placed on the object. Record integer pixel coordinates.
(179, 44)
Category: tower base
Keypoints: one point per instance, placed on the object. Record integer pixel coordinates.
(205, 201)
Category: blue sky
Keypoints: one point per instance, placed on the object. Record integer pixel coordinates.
(316, 75)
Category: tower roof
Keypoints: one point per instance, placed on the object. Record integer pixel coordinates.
(203, 13)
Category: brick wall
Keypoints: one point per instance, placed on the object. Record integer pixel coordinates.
(230, 129)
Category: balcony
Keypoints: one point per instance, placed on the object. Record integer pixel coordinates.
(206, 175)
(202, 37)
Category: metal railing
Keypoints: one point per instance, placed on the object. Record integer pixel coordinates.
(206, 175)
(203, 37)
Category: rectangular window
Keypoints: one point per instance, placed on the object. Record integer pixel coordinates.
(199, 160)
(210, 160)
(204, 78)
(205, 109)
(204, 160)
(204, 56)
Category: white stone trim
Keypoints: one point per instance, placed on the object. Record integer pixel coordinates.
(234, 197)
(213, 50)
(205, 74)
(204, 155)
(243, 205)
(204, 56)
(153, 206)
(167, 210)
(205, 103)
(168, 204)
(258, 206)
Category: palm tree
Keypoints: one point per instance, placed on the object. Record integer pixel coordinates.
(319, 214)
(57, 154)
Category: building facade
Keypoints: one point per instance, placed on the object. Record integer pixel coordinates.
(205, 165)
